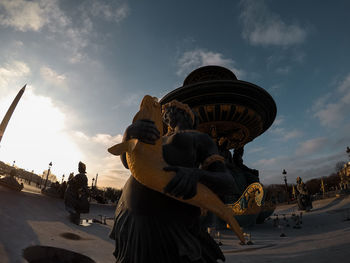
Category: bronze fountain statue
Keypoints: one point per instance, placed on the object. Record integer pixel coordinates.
(177, 170)
(234, 112)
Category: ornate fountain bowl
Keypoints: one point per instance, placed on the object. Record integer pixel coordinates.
(227, 107)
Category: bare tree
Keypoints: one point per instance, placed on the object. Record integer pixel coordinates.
(339, 166)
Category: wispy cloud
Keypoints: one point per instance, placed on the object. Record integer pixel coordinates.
(109, 167)
(332, 108)
(23, 15)
(282, 133)
(12, 72)
(311, 146)
(266, 162)
(287, 135)
(193, 59)
(262, 27)
(283, 70)
(304, 165)
(278, 121)
(108, 12)
(73, 32)
(256, 149)
(107, 139)
(53, 77)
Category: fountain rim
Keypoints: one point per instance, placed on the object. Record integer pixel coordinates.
(239, 89)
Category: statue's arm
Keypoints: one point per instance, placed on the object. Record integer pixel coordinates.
(215, 176)
(143, 130)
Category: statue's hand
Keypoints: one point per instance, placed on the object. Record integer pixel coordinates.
(144, 130)
(184, 183)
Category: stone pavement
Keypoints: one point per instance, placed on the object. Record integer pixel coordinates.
(28, 219)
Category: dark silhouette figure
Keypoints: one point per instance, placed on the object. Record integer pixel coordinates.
(62, 189)
(153, 227)
(303, 196)
(76, 195)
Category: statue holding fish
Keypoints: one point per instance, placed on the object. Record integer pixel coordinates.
(173, 177)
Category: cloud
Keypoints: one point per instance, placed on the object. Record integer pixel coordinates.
(23, 15)
(73, 32)
(320, 102)
(291, 134)
(256, 149)
(344, 85)
(278, 121)
(262, 27)
(311, 146)
(98, 160)
(52, 77)
(191, 60)
(116, 13)
(37, 134)
(11, 73)
(305, 166)
(267, 162)
(107, 139)
(282, 133)
(332, 108)
(283, 70)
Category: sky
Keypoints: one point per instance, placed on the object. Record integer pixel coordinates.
(87, 65)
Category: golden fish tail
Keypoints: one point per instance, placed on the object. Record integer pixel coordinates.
(127, 146)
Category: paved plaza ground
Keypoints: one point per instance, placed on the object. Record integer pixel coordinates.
(28, 218)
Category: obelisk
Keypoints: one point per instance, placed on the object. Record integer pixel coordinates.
(9, 112)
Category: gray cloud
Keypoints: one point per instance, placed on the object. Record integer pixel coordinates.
(281, 133)
(311, 146)
(303, 166)
(52, 77)
(11, 73)
(74, 33)
(262, 27)
(332, 108)
(193, 59)
(23, 15)
(108, 12)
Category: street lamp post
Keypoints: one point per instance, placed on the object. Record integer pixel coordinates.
(285, 182)
(62, 178)
(92, 187)
(47, 176)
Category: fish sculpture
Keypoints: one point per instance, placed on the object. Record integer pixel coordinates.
(252, 198)
(146, 164)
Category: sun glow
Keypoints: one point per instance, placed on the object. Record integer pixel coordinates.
(36, 135)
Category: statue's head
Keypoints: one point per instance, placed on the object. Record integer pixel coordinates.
(82, 168)
(298, 180)
(175, 112)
